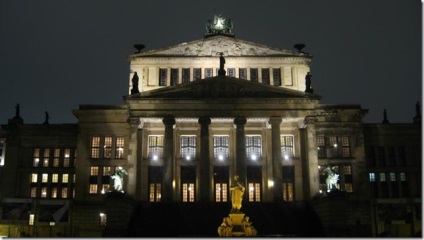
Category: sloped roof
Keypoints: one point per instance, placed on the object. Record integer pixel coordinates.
(211, 46)
(222, 87)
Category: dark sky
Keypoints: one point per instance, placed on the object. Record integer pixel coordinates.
(55, 55)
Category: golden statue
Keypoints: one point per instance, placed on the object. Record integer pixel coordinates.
(237, 192)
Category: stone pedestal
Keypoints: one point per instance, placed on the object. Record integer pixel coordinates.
(236, 225)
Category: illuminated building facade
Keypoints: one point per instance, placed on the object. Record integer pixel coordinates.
(197, 114)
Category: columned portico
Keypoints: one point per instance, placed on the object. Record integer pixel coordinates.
(205, 188)
(276, 157)
(168, 157)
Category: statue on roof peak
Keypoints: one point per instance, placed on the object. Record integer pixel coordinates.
(219, 25)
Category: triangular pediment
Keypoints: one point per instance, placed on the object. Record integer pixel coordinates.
(222, 87)
(211, 46)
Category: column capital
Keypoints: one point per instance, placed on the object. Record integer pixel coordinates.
(168, 120)
(204, 120)
(240, 120)
(275, 120)
(134, 121)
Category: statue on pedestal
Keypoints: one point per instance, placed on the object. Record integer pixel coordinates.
(237, 192)
(118, 179)
(332, 178)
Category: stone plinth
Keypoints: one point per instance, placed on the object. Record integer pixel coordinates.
(236, 225)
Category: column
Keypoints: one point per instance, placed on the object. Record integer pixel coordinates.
(205, 188)
(276, 158)
(168, 159)
(312, 157)
(132, 157)
(241, 155)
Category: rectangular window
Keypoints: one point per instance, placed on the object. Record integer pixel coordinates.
(44, 178)
(231, 72)
(254, 147)
(188, 147)
(155, 192)
(254, 192)
(66, 157)
(402, 177)
(163, 75)
(370, 156)
(44, 192)
(64, 192)
(46, 157)
(381, 156)
(34, 177)
(95, 147)
(288, 183)
(197, 73)
(56, 155)
(186, 75)
(243, 73)
(322, 151)
(105, 188)
(94, 171)
(93, 189)
(155, 147)
(401, 156)
(333, 147)
(33, 192)
(220, 147)
(221, 192)
(287, 146)
(288, 192)
(65, 178)
(208, 72)
(31, 219)
(54, 192)
(174, 76)
(55, 178)
(265, 76)
(36, 157)
(348, 187)
(119, 149)
(390, 156)
(106, 171)
(393, 177)
(347, 170)
(372, 177)
(382, 177)
(107, 147)
(254, 74)
(276, 73)
(188, 192)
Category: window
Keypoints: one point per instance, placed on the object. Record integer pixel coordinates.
(95, 147)
(188, 147)
(254, 74)
(186, 75)
(382, 177)
(55, 178)
(231, 72)
(390, 156)
(254, 147)
(287, 147)
(65, 178)
(155, 147)
(36, 158)
(208, 72)
(44, 192)
(107, 147)
(370, 156)
(56, 155)
(288, 183)
(333, 147)
(66, 157)
(163, 75)
(347, 170)
(348, 187)
(102, 219)
(402, 177)
(221, 192)
(254, 192)
(105, 188)
(44, 178)
(34, 177)
(220, 147)
(372, 177)
(46, 157)
(119, 151)
(174, 76)
(401, 156)
(393, 177)
(155, 192)
(64, 192)
(276, 73)
(243, 73)
(188, 192)
(54, 192)
(106, 171)
(33, 192)
(94, 171)
(31, 219)
(93, 189)
(265, 76)
(197, 73)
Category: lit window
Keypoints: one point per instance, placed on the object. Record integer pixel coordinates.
(64, 192)
(288, 192)
(393, 177)
(66, 157)
(333, 147)
(45, 178)
(188, 147)
(287, 146)
(382, 177)
(107, 148)
(94, 171)
(102, 219)
(220, 147)
(119, 151)
(44, 192)
(95, 147)
(221, 192)
(36, 159)
(254, 147)
(347, 170)
(155, 147)
(54, 192)
(155, 192)
(33, 192)
(55, 177)
(348, 187)
(65, 178)
(106, 171)
(188, 192)
(105, 188)
(288, 183)
(31, 219)
(372, 177)
(402, 177)
(46, 157)
(254, 192)
(34, 177)
(93, 189)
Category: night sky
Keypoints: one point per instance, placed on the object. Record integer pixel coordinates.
(56, 55)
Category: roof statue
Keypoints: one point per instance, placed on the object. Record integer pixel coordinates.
(221, 71)
(417, 118)
(385, 120)
(308, 81)
(219, 25)
(46, 120)
(134, 80)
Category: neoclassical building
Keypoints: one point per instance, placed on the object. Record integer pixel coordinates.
(197, 114)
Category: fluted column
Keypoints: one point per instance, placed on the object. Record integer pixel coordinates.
(168, 159)
(241, 155)
(276, 158)
(132, 157)
(205, 188)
